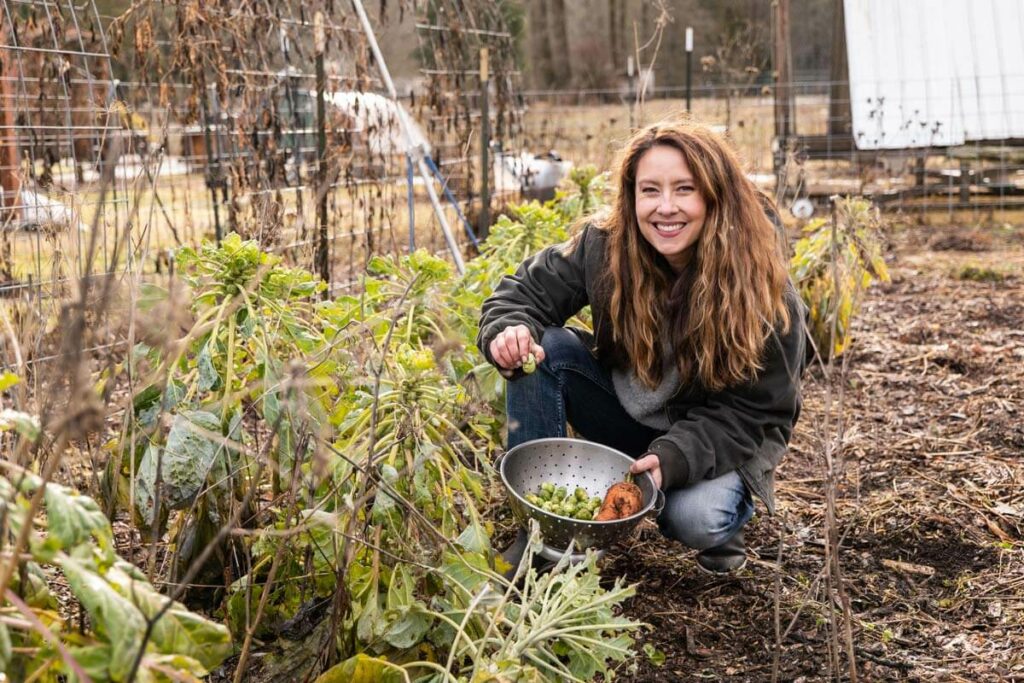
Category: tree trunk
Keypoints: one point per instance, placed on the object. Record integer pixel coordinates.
(540, 47)
(784, 125)
(558, 42)
(615, 35)
(840, 117)
(10, 185)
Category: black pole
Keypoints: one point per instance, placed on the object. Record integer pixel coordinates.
(485, 143)
(211, 173)
(689, 79)
(323, 262)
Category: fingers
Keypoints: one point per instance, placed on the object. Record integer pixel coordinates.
(512, 346)
(649, 462)
(538, 352)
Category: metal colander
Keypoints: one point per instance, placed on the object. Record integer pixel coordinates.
(571, 463)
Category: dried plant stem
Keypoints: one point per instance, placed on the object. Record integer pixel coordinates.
(777, 598)
(243, 657)
(833, 446)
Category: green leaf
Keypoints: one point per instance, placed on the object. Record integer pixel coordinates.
(474, 538)
(74, 519)
(654, 655)
(5, 647)
(371, 624)
(178, 631)
(408, 618)
(153, 669)
(469, 570)
(361, 669)
(22, 423)
(187, 460)
(208, 377)
(112, 615)
(409, 629)
(35, 592)
(94, 660)
(384, 504)
(321, 527)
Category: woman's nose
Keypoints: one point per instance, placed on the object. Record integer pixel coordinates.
(665, 205)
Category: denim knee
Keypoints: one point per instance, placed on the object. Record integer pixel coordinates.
(708, 513)
(561, 347)
(535, 403)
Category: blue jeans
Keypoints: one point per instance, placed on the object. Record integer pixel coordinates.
(570, 386)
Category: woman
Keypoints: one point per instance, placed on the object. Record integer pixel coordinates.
(699, 339)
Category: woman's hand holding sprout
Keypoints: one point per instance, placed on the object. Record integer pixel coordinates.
(515, 348)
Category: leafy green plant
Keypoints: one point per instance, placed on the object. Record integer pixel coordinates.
(349, 439)
(560, 626)
(255, 349)
(510, 242)
(832, 266)
(585, 193)
(133, 629)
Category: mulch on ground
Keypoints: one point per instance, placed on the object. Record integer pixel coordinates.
(929, 502)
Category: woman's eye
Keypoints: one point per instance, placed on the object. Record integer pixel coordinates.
(650, 190)
(684, 189)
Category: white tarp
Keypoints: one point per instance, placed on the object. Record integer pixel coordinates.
(378, 118)
(935, 72)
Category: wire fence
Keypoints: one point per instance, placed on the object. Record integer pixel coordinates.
(105, 177)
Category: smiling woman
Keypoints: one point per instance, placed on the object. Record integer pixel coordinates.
(669, 209)
(694, 363)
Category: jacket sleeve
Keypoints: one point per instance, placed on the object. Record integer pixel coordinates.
(724, 433)
(547, 289)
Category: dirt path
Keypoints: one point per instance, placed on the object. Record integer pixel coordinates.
(930, 503)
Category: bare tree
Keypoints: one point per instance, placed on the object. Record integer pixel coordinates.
(738, 60)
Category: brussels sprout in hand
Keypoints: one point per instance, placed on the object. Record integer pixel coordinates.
(512, 349)
(530, 364)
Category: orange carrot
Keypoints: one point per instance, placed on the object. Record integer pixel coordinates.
(622, 500)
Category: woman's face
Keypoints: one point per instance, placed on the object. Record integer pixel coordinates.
(669, 208)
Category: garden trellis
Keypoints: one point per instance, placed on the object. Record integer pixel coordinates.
(207, 114)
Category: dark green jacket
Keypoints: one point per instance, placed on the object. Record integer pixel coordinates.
(745, 427)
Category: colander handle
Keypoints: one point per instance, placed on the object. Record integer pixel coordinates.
(497, 461)
(659, 502)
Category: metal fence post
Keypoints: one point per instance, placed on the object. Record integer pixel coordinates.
(485, 143)
(322, 259)
(212, 171)
(689, 65)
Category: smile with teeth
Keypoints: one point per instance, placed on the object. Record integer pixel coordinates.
(669, 229)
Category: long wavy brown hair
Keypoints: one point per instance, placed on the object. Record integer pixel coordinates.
(720, 311)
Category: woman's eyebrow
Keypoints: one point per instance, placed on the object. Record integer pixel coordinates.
(674, 181)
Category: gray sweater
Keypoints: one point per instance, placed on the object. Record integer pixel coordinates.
(646, 405)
